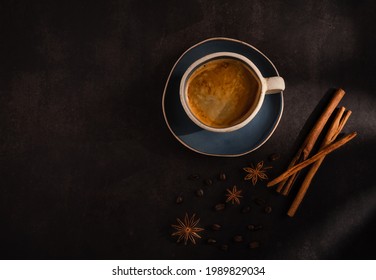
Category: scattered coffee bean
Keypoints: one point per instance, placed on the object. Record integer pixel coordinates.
(179, 199)
(268, 209)
(246, 209)
(254, 227)
(238, 238)
(208, 182)
(251, 227)
(216, 227)
(200, 193)
(211, 241)
(254, 245)
(259, 201)
(222, 176)
(274, 157)
(219, 207)
(194, 177)
(224, 247)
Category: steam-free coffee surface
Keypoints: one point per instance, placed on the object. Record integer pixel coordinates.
(222, 92)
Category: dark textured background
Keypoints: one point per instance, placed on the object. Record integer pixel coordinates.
(89, 169)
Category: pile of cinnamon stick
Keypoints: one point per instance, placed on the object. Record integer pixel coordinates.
(301, 160)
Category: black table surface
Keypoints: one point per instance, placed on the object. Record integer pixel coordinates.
(89, 169)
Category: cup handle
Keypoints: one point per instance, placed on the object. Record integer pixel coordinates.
(274, 85)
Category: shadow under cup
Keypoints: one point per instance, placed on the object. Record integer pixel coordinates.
(221, 93)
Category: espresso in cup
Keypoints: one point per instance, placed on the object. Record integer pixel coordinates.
(222, 92)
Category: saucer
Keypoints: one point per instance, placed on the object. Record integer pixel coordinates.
(229, 144)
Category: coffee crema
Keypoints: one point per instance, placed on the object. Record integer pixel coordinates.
(222, 92)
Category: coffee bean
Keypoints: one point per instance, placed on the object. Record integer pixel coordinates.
(208, 182)
(259, 201)
(268, 209)
(216, 227)
(194, 177)
(219, 207)
(179, 199)
(254, 227)
(211, 241)
(200, 193)
(251, 227)
(238, 238)
(274, 157)
(222, 176)
(246, 209)
(254, 245)
(224, 247)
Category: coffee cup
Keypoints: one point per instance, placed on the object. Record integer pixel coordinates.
(224, 91)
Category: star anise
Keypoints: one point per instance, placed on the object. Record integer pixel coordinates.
(187, 230)
(233, 195)
(256, 173)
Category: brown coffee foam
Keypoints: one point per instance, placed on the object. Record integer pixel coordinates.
(222, 92)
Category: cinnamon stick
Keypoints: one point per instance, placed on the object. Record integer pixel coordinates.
(310, 140)
(326, 150)
(338, 123)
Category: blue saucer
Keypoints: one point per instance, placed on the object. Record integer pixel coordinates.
(230, 144)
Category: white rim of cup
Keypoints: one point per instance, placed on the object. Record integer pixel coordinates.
(207, 58)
